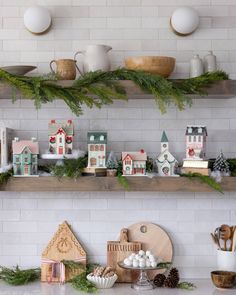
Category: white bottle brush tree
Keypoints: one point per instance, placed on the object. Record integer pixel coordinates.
(220, 167)
(112, 161)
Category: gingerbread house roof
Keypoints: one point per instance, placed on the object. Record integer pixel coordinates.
(64, 246)
(54, 126)
(19, 146)
(135, 156)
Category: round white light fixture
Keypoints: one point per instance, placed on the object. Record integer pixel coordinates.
(37, 19)
(184, 21)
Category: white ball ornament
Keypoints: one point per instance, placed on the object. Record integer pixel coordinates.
(127, 262)
(148, 263)
(152, 258)
(142, 263)
(153, 264)
(135, 263)
(37, 19)
(184, 20)
(148, 253)
(137, 256)
(141, 253)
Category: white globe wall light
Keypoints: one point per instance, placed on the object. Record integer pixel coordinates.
(184, 21)
(37, 19)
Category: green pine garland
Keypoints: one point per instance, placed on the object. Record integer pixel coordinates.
(16, 276)
(186, 286)
(100, 88)
(205, 179)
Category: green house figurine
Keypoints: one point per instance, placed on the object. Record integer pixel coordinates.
(25, 157)
(97, 142)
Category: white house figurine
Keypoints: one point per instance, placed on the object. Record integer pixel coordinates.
(166, 162)
(196, 142)
(97, 142)
(134, 163)
(60, 137)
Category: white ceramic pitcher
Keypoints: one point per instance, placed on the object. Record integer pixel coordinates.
(95, 58)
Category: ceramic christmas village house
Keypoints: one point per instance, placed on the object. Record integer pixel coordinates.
(196, 142)
(166, 162)
(25, 157)
(64, 246)
(60, 137)
(196, 150)
(97, 142)
(134, 163)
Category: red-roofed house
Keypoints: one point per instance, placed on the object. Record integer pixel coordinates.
(134, 163)
(25, 157)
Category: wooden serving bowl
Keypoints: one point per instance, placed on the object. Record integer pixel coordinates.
(160, 65)
(223, 279)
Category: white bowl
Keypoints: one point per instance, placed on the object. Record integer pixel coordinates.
(103, 283)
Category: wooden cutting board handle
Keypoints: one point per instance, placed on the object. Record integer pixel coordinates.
(124, 235)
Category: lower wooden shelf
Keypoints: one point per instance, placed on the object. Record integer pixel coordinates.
(89, 183)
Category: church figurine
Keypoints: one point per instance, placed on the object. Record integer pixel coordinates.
(60, 137)
(196, 142)
(166, 162)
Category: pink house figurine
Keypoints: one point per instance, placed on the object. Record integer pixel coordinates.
(25, 157)
(60, 137)
(196, 142)
(134, 163)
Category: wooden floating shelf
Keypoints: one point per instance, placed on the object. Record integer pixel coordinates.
(90, 183)
(221, 89)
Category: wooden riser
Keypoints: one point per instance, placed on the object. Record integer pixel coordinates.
(90, 183)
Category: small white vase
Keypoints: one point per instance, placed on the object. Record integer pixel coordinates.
(196, 66)
(226, 260)
(210, 62)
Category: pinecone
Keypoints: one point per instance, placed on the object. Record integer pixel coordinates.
(173, 279)
(159, 280)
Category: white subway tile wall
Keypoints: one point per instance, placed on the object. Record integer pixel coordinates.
(131, 27)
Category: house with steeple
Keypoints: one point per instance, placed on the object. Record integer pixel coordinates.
(166, 162)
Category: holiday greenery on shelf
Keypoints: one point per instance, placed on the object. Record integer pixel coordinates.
(16, 276)
(98, 88)
(5, 176)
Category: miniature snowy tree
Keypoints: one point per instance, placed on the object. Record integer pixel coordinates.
(221, 165)
(112, 161)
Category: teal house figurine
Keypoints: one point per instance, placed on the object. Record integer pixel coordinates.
(97, 142)
(25, 157)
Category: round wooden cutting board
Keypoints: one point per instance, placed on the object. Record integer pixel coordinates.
(153, 238)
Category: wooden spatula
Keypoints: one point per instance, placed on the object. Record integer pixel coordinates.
(225, 234)
(234, 240)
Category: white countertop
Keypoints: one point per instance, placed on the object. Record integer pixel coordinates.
(204, 287)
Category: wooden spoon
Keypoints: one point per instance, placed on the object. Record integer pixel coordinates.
(215, 240)
(225, 234)
(234, 240)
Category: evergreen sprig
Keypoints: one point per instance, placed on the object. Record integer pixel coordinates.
(205, 179)
(71, 168)
(81, 283)
(186, 286)
(100, 88)
(16, 276)
(123, 181)
(5, 176)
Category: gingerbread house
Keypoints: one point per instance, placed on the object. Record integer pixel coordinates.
(60, 137)
(134, 163)
(63, 247)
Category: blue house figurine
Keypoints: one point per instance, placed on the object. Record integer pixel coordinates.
(25, 157)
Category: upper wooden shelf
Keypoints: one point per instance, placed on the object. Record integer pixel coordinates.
(90, 183)
(221, 89)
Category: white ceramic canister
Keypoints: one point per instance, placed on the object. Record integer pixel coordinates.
(196, 66)
(226, 260)
(95, 58)
(210, 62)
